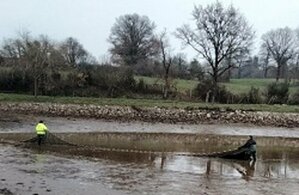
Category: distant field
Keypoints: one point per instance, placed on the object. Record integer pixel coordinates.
(146, 103)
(243, 85)
(182, 85)
(236, 86)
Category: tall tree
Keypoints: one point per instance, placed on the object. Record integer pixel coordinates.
(265, 59)
(219, 33)
(132, 38)
(181, 66)
(281, 46)
(37, 53)
(240, 60)
(167, 61)
(196, 70)
(12, 51)
(294, 67)
(29, 54)
(73, 52)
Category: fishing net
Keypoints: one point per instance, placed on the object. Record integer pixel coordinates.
(50, 138)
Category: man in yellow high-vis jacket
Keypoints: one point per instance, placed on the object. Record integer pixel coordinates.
(41, 131)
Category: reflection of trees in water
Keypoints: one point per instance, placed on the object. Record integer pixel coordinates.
(202, 166)
(163, 158)
(245, 168)
(277, 166)
(208, 172)
(249, 170)
(276, 169)
(214, 167)
(268, 171)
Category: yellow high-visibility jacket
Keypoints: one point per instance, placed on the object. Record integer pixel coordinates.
(41, 129)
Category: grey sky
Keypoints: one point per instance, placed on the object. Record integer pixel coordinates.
(90, 20)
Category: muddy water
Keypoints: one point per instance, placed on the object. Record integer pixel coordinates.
(39, 171)
(26, 123)
(57, 170)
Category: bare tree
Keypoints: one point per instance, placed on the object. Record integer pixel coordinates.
(196, 70)
(294, 67)
(280, 44)
(29, 54)
(239, 61)
(219, 33)
(73, 52)
(167, 61)
(105, 60)
(132, 38)
(181, 66)
(13, 51)
(37, 53)
(265, 59)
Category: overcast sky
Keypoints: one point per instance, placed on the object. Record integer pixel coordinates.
(90, 21)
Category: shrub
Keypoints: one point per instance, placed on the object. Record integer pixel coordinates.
(277, 93)
(15, 80)
(294, 100)
(252, 97)
(140, 87)
(224, 96)
(204, 92)
(204, 89)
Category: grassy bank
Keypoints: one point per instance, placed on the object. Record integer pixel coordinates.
(146, 103)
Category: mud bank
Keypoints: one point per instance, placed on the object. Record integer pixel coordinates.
(163, 115)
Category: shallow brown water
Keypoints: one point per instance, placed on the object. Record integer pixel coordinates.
(25, 171)
(26, 123)
(57, 171)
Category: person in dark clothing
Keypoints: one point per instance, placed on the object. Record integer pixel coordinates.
(251, 146)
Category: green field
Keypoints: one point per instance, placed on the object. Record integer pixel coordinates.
(236, 86)
(146, 103)
(182, 85)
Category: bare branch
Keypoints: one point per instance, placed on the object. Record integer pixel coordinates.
(219, 33)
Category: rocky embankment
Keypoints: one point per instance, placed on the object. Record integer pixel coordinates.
(154, 114)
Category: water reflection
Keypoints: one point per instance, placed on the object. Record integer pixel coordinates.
(270, 164)
(137, 173)
(179, 173)
(268, 168)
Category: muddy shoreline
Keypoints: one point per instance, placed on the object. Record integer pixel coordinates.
(154, 114)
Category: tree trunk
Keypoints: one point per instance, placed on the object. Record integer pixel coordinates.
(284, 71)
(166, 88)
(214, 87)
(35, 86)
(278, 72)
(208, 96)
(266, 73)
(239, 72)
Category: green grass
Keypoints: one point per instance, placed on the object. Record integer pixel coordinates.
(182, 85)
(236, 86)
(146, 103)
